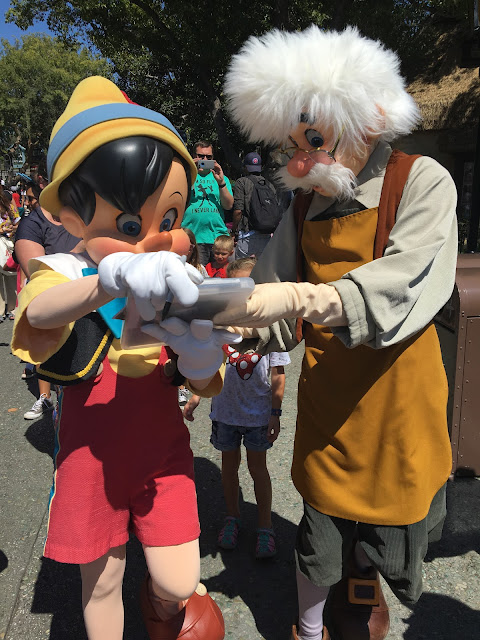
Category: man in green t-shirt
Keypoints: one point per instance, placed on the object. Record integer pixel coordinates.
(211, 195)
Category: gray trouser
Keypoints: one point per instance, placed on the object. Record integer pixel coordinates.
(325, 542)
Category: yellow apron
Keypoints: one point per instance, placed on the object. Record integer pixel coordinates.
(372, 442)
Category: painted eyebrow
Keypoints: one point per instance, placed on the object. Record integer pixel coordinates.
(178, 194)
(307, 118)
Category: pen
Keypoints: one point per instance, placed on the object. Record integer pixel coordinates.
(169, 298)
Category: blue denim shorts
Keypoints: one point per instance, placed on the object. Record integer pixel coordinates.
(228, 437)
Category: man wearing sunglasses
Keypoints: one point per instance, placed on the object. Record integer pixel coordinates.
(358, 267)
(211, 196)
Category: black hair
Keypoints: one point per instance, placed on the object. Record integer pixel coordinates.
(36, 189)
(123, 172)
(203, 144)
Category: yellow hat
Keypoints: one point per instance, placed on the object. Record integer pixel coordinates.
(97, 113)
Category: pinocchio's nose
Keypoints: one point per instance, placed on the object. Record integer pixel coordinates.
(157, 242)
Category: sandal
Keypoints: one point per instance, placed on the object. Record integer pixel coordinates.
(228, 536)
(266, 546)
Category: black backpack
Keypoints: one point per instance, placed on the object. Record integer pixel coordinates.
(265, 213)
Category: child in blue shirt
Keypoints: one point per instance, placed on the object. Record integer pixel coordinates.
(248, 408)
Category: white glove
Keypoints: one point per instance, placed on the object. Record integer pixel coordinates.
(148, 277)
(198, 345)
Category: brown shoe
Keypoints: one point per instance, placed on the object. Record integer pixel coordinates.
(200, 619)
(358, 609)
(325, 635)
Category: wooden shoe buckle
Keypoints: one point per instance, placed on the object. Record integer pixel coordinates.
(357, 587)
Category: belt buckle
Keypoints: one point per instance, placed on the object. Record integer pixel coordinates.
(357, 585)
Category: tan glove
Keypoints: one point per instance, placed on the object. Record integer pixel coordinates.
(316, 303)
(245, 332)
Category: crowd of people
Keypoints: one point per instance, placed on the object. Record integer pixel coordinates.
(361, 261)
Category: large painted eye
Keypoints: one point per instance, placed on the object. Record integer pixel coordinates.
(314, 138)
(129, 225)
(168, 220)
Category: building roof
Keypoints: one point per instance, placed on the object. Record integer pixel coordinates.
(452, 102)
(447, 92)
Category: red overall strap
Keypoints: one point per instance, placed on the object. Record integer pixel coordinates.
(396, 174)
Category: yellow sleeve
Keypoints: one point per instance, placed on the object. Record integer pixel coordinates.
(37, 345)
(213, 388)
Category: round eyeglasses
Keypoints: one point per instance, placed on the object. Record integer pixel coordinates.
(317, 154)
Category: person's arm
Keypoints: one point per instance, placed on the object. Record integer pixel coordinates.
(189, 408)
(226, 197)
(25, 250)
(237, 216)
(278, 389)
(66, 302)
(384, 301)
(239, 204)
(29, 240)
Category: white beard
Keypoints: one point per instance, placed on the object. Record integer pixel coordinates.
(335, 179)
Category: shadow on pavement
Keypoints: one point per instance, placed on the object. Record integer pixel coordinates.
(437, 617)
(461, 532)
(3, 561)
(267, 587)
(40, 434)
(58, 593)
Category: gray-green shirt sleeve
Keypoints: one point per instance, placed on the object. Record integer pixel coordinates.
(277, 263)
(239, 194)
(390, 299)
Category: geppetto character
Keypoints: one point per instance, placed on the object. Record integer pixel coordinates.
(120, 179)
(365, 258)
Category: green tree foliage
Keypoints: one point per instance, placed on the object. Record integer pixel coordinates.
(37, 77)
(171, 55)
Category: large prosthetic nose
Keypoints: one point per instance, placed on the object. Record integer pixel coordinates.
(175, 240)
(300, 164)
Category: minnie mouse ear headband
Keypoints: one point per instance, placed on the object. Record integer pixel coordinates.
(97, 113)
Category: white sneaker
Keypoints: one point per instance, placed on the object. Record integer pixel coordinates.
(183, 396)
(40, 406)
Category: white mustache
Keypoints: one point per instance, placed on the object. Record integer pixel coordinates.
(335, 179)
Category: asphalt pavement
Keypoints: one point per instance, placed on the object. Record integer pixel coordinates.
(40, 598)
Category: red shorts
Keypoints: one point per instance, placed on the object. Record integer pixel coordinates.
(123, 463)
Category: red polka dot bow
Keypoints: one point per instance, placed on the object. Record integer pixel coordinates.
(244, 363)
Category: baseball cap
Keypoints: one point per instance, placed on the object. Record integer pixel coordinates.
(252, 162)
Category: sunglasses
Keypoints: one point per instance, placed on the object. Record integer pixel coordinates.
(205, 156)
(31, 198)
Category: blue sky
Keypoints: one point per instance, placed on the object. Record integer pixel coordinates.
(11, 32)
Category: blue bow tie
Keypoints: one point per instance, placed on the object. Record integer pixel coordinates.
(111, 309)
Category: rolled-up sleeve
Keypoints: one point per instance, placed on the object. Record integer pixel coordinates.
(392, 298)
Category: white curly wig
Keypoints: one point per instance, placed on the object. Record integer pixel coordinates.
(341, 79)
